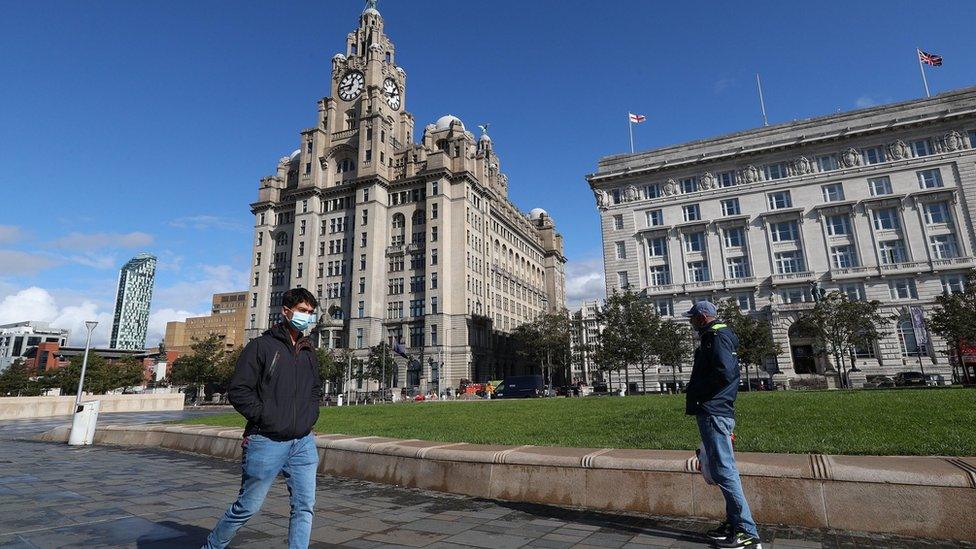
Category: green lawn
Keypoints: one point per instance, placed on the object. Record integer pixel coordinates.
(892, 422)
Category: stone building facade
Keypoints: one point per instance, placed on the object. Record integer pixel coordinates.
(227, 320)
(132, 302)
(877, 203)
(584, 329)
(404, 241)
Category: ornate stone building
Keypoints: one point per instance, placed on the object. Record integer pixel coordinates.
(404, 241)
(877, 203)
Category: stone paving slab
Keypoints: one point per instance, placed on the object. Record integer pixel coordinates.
(142, 497)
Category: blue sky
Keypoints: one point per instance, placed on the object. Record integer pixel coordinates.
(145, 126)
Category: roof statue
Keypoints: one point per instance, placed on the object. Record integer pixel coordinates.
(484, 128)
(370, 5)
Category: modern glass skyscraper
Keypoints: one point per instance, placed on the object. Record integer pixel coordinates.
(132, 302)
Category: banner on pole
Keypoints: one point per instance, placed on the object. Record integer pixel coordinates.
(918, 325)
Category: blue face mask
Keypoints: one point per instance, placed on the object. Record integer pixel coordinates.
(301, 321)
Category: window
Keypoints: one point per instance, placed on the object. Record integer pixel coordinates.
(433, 334)
(695, 242)
(664, 306)
(362, 285)
(785, 231)
(879, 186)
(886, 219)
(433, 187)
(301, 269)
(827, 162)
(796, 295)
(365, 217)
(944, 246)
(922, 147)
(254, 300)
(746, 302)
(433, 211)
(780, 200)
(902, 288)
(615, 195)
(433, 281)
(735, 237)
(833, 192)
(843, 257)
(789, 262)
(301, 248)
(692, 212)
(362, 309)
(731, 207)
(416, 336)
(736, 267)
(359, 338)
(906, 336)
(853, 290)
(689, 185)
(726, 179)
(953, 284)
(433, 256)
(872, 155)
(257, 258)
(838, 225)
(697, 271)
(301, 229)
(362, 262)
(655, 218)
(775, 171)
(416, 307)
(652, 191)
(433, 304)
(622, 280)
(937, 213)
(618, 222)
(972, 138)
(365, 195)
(929, 179)
(657, 247)
(659, 275)
(892, 251)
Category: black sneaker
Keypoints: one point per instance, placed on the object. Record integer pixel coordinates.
(739, 540)
(723, 531)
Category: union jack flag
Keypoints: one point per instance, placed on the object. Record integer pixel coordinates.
(930, 58)
(637, 118)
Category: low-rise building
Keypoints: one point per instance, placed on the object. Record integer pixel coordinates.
(585, 328)
(877, 203)
(227, 321)
(18, 338)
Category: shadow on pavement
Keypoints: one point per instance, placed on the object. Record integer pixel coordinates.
(189, 536)
(634, 525)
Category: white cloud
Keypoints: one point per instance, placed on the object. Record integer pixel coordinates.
(96, 260)
(96, 241)
(865, 101)
(13, 262)
(158, 320)
(39, 305)
(203, 222)
(195, 292)
(584, 282)
(10, 233)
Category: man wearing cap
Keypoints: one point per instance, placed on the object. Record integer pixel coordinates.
(710, 398)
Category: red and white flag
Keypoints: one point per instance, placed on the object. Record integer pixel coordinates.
(637, 118)
(930, 58)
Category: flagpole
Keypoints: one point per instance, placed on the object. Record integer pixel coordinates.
(921, 69)
(630, 125)
(762, 102)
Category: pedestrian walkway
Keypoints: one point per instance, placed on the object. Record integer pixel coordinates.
(53, 495)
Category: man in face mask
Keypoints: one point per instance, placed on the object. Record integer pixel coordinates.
(276, 387)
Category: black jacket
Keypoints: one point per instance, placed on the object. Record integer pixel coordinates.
(714, 380)
(276, 386)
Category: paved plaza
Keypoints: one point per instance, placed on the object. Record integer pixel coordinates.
(52, 495)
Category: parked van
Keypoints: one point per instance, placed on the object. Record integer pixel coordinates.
(520, 387)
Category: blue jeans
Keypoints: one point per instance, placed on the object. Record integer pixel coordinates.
(715, 434)
(297, 460)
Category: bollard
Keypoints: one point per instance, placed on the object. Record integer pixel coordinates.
(340, 400)
(83, 424)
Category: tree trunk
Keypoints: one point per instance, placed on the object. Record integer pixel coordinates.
(962, 362)
(840, 370)
(643, 378)
(627, 379)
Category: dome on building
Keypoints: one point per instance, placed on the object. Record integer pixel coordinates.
(338, 57)
(294, 156)
(484, 137)
(444, 122)
(400, 70)
(537, 213)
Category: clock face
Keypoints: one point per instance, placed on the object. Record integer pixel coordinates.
(351, 85)
(392, 93)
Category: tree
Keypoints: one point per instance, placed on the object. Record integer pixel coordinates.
(100, 375)
(622, 339)
(954, 318)
(673, 344)
(379, 365)
(840, 325)
(201, 365)
(16, 381)
(125, 373)
(545, 341)
(331, 370)
(755, 335)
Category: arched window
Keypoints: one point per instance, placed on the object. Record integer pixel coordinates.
(906, 336)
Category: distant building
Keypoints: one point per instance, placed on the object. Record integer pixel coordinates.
(227, 321)
(585, 328)
(17, 339)
(132, 303)
(877, 203)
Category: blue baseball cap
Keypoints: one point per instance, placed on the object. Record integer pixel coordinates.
(702, 308)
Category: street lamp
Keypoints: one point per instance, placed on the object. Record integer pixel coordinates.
(90, 325)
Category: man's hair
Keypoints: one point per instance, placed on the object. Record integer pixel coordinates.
(295, 296)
